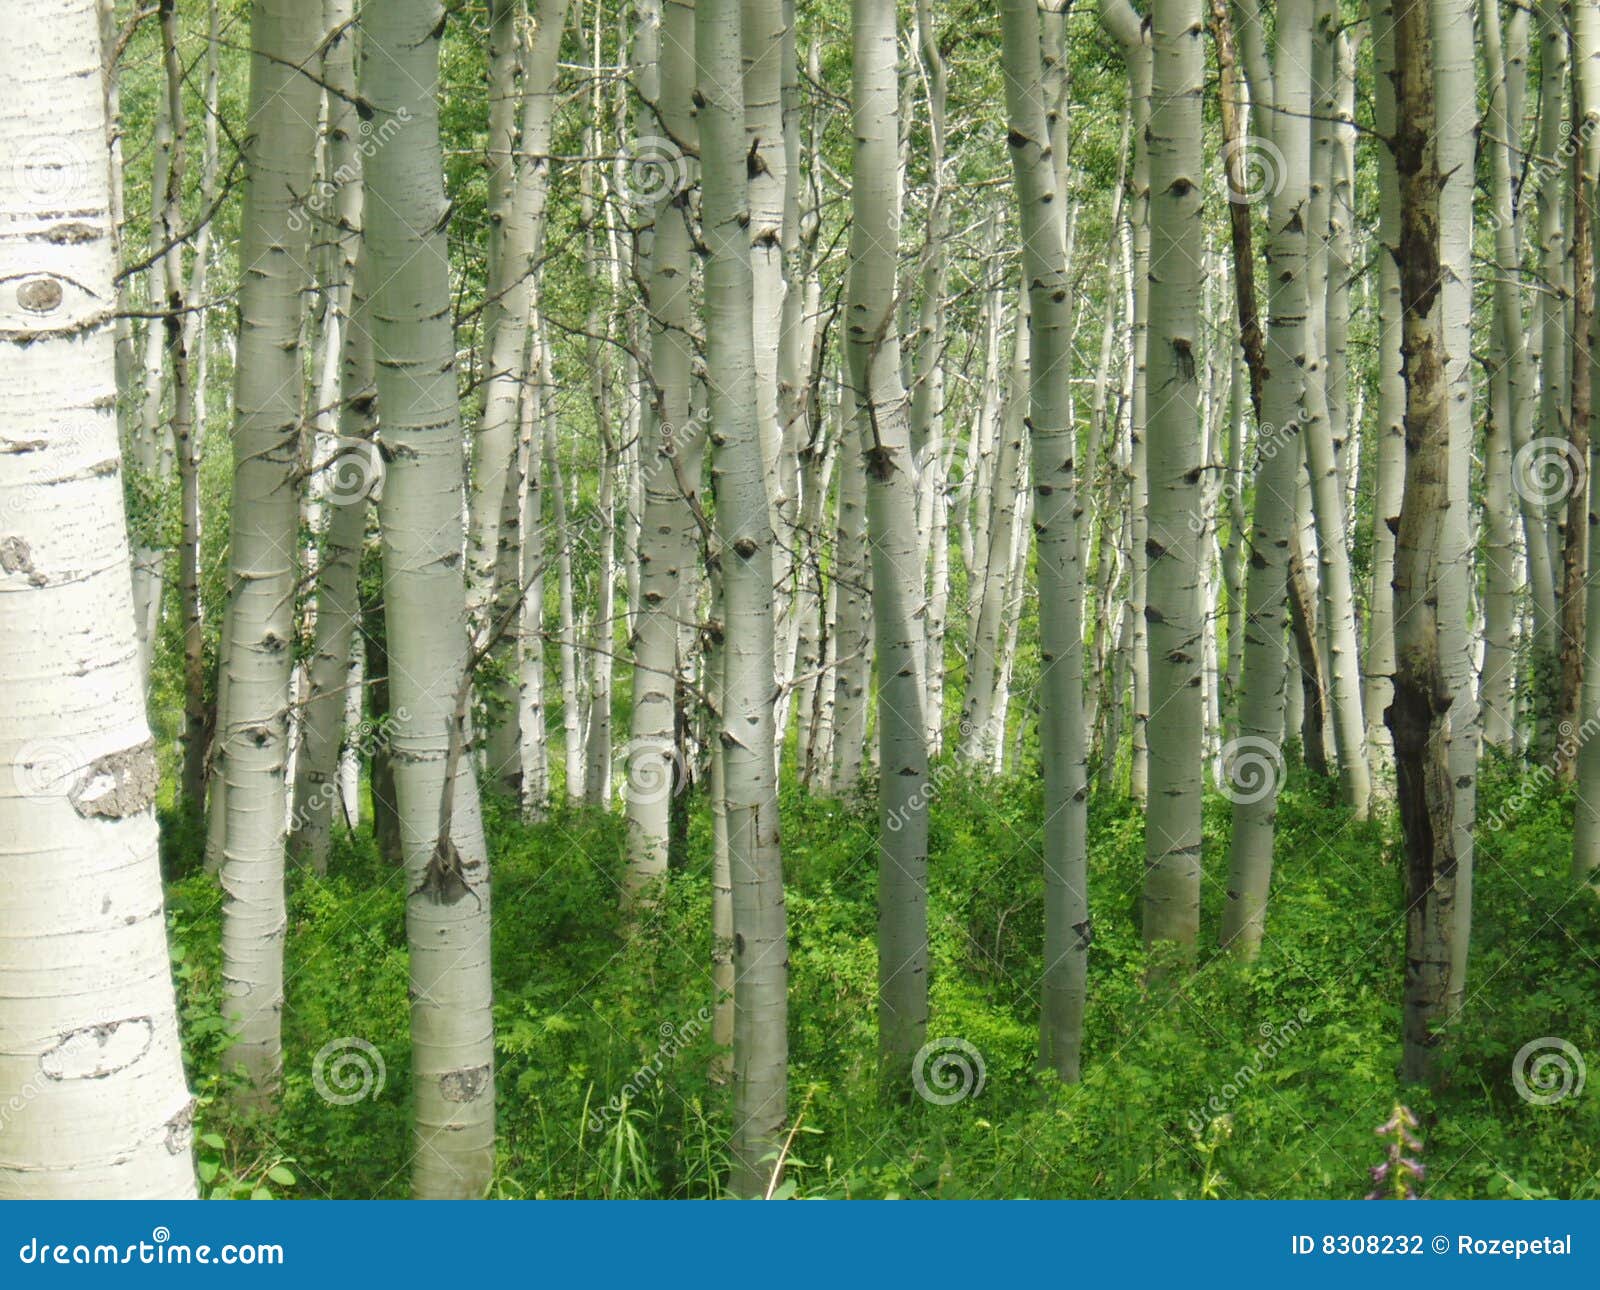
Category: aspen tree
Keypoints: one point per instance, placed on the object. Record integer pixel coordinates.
(352, 467)
(257, 663)
(446, 860)
(1420, 709)
(90, 1071)
(667, 531)
(1254, 766)
(872, 345)
(1173, 843)
(1132, 34)
(1062, 734)
(744, 530)
(1586, 816)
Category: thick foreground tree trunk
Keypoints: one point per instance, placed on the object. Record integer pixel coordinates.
(92, 1090)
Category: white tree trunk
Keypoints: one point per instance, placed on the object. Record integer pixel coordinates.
(873, 347)
(1062, 734)
(263, 566)
(744, 532)
(447, 863)
(90, 1071)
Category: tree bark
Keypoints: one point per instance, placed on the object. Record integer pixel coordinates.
(447, 863)
(88, 1024)
(263, 565)
(1175, 726)
(1063, 755)
(1422, 697)
(873, 348)
(744, 531)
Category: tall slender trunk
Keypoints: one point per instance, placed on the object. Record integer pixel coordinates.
(1175, 726)
(274, 277)
(351, 468)
(1575, 546)
(88, 1026)
(1456, 101)
(1550, 329)
(744, 531)
(1132, 34)
(186, 447)
(1509, 374)
(533, 761)
(447, 863)
(765, 45)
(1586, 822)
(1389, 474)
(873, 348)
(928, 388)
(520, 174)
(1422, 697)
(1253, 763)
(983, 723)
(852, 592)
(667, 551)
(1062, 736)
(1337, 610)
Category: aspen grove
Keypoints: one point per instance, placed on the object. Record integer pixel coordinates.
(799, 598)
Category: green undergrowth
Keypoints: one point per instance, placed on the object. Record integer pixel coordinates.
(1228, 1081)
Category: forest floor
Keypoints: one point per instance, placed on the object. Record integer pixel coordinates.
(1265, 1081)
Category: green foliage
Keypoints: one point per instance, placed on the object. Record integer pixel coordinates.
(1231, 1081)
